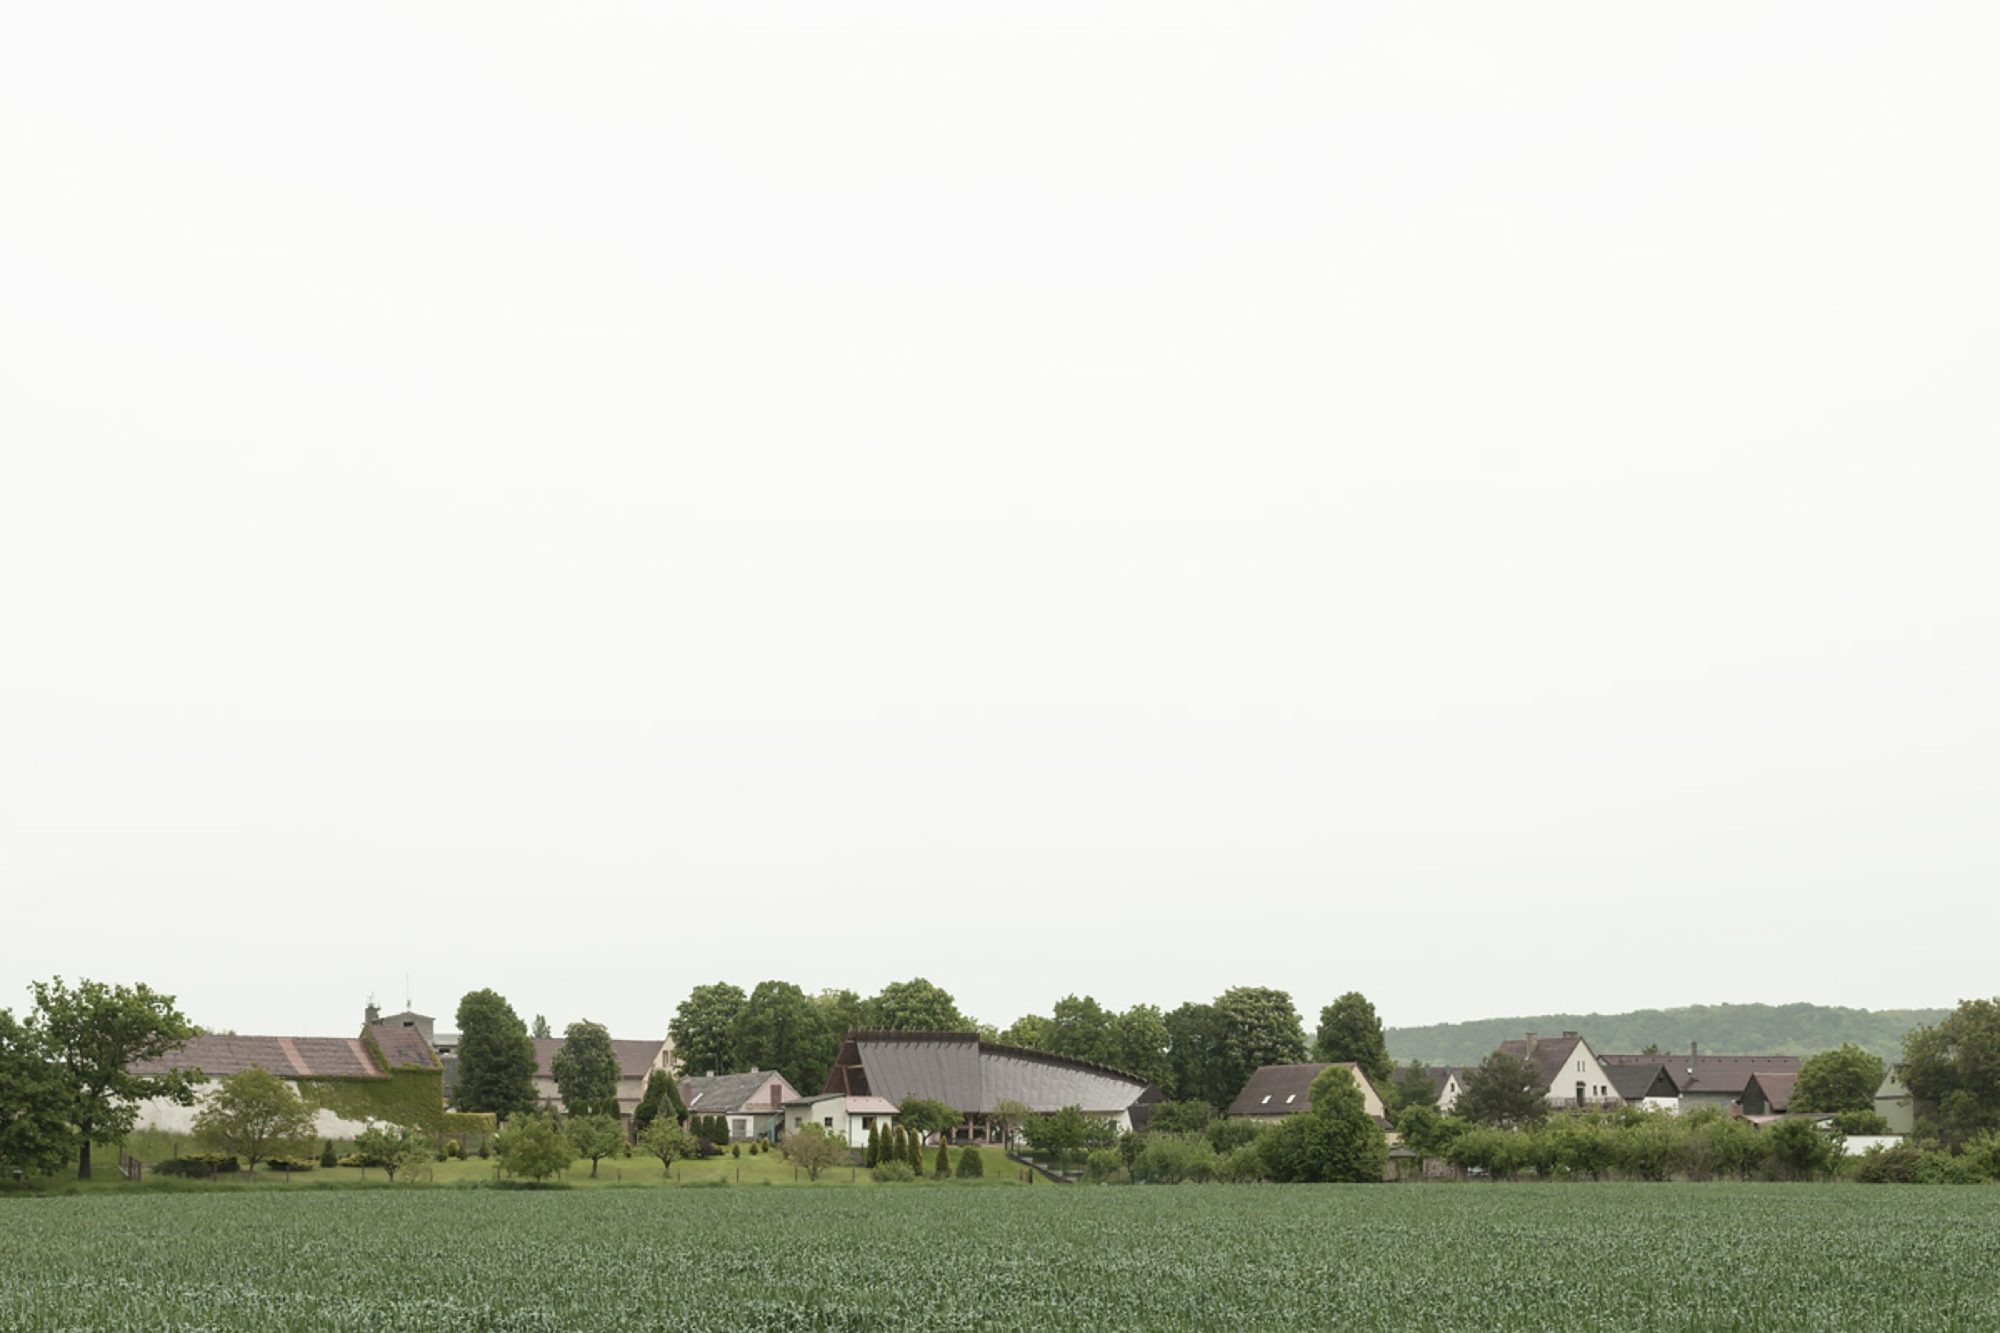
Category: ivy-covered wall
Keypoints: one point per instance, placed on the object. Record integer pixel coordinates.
(409, 1096)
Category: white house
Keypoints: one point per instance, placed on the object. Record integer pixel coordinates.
(1570, 1073)
(847, 1117)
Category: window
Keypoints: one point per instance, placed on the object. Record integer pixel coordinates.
(868, 1122)
(828, 1122)
(739, 1129)
(1579, 1066)
(1266, 1101)
(1291, 1097)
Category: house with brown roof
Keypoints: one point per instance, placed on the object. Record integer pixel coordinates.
(1710, 1080)
(636, 1062)
(1766, 1093)
(369, 1057)
(847, 1118)
(973, 1077)
(1569, 1073)
(1278, 1092)
(753, 1102)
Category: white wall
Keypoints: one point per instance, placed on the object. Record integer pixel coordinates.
(161, 1113)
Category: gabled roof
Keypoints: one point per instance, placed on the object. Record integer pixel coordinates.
(1777, 1088)
(635, 1058)
(404, 1047)
(1280, 1090)
(731, 1094)
(287, 1057)
(1637, 1082)
(1712, 1075)
(1550, 1057)
(974, 1076)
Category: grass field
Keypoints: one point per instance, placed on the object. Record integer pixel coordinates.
(1642, 1258)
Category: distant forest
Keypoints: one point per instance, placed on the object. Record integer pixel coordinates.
(1721, 1029)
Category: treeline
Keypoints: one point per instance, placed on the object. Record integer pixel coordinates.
(1721, 1029)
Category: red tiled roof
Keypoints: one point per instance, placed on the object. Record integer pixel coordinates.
(287, 1057)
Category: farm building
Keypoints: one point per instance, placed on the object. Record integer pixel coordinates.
(387, 1072)
(973, 1077)
(1650, 1086)
(1276, 1092)
(1710, 1080)
(754, 1102)
(1765, 1093)
(1894, 1103)
(847, 1118)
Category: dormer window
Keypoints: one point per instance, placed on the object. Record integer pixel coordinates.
(1266, 1101)
(1291, 1097)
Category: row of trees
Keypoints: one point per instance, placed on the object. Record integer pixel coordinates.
(496, 1062)
(777, 1026)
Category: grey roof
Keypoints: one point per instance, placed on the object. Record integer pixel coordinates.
(732, 1094)
(1281, 1089)
(974, 1076)
(1550, 1055)
(1634, 1082)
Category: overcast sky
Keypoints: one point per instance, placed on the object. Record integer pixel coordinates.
(1490, 506)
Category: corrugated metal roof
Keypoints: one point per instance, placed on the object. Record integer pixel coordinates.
(972, 1076)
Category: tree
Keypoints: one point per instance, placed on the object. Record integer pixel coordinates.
(1140, 1045)
(1189, 1117)
(1411, 1085)
(1006, 1117)
(1260, 1026)
(533, 1146)
(1195, 1050)
(496, 1057)
(1350, 1031)
(781, 1029)
(1801, 1150)
(1082, 1030)
(941, 1168)
(1057, 1135)
(922, 1116)
(1502, 1090)
(914, 1006)
(872, 1155)
(586, 1072)
(913, 1151)
(1953, 1070)
(34, 1108)
(1425, 1132)
(594, 1136)
(660, 1097)
(840, 1012)
(970, 1164)
(666, 1140)
(1337, 1140)
(94, 1034)
(392, 1147)
(813, 1149)
(1030, 1031)
(704, 1028)
(541, 1029)
(1838, 1080)
(255, 1115)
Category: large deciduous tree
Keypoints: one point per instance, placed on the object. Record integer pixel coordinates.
(704, 1028)
(781, 1028)
(586, 1072)
(1351, 1031)
(35, 1130)
(1260, 1026)
(1844, 1079)
(1337, 1140)
(1082, 1029)
(915, 1006)
(1196, 1051)
(255, 1115)
(1953, 1070)
(95, 1033)
(1141, 1043)
(496, 1057)
(1502, 1090)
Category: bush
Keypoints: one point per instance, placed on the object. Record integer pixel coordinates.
(326, 1155)
(1889, 1166)
(1242, 1164)
(289, 1164)
(941, 1168)
(735, 1150)
(1941, 1168)
(893, 1172)
(199, 1165)
(971, 1164)
(1227, 1135)
(452, 1149)
(1170, 1159)
(1103, 1166)
(1861, 1122)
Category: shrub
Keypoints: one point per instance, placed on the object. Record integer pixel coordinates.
(892, 1172)
(971, 1164)
(326, 1155)
(1228, 1135)
(1889, 1166)
(1941, 1168)
(1861, 1122)
(1169, 1159)
(452, 1149)
(289, 1164)
(735, 1150)
(1241, 1164)
(199, 1165)
(1103, 1166)
(941, 1168)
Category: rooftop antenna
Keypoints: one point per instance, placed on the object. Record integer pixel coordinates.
(407, 1006)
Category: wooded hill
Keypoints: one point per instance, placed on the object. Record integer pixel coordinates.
(1722, 1029)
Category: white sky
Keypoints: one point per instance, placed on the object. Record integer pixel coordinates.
(1492, 506)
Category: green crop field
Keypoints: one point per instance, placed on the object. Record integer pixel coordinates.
(1463, 1258)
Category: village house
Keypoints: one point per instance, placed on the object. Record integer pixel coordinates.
(847, 1118)
(753, 1102)
(1709, 1080)
(1894, 1103)
(1277, 1092)
(1766, 1093)
(1569, 1073)
(973, 1077)
(1446, 1079)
